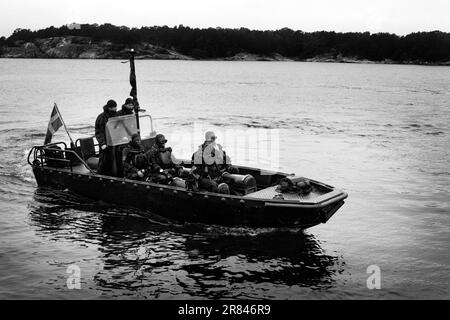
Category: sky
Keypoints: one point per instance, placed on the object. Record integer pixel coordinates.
(394, 16)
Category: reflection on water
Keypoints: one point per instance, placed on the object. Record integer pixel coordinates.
(138, 255)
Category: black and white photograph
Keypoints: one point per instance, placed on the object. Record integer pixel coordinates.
(237, 151)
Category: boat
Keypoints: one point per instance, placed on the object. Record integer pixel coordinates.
(259, 202)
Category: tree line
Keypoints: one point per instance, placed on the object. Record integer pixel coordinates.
(216, 43)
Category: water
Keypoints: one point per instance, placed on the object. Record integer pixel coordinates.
(378, 131)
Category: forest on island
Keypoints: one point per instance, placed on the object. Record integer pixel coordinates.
(217, 43)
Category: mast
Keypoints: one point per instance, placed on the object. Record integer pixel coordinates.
(133, 92)
(65, 127)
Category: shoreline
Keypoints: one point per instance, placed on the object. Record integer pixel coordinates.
(310, 60)
(84, 48)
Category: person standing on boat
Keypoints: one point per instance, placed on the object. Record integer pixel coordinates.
(209, 162)
(127, 108)
(162, 168)
(134, 161)
(106, 153)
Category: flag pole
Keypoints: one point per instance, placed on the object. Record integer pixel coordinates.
(133, 92)
(64, 124)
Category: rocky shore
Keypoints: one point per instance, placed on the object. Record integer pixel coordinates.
(85, 48)
(72, 47)
(339, 58)
(243, 56)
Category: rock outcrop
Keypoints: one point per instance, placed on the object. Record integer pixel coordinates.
(85, 48)
(243, 56)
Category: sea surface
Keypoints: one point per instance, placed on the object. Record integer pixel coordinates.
(380, 132)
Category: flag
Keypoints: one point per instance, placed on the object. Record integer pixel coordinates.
(54, 124)
(133, 83)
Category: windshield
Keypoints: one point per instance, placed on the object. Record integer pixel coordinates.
(120, 129)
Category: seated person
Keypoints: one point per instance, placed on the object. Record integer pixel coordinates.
(209, 162)
(162, 169)
(133, 159)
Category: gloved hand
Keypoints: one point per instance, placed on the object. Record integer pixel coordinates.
(103, 147)
(140, 174)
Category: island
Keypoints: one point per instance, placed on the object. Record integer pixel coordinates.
(92, 41)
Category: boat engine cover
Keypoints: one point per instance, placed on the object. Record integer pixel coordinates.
(244, 184)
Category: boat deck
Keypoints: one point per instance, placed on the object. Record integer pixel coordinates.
(271, 192)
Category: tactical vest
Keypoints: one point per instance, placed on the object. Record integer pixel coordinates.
(137, 159)
(209, 161)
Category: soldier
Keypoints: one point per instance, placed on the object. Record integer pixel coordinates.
(127, 108)
(209, 162)
(134, 161)
(106, 153)
(162, 168)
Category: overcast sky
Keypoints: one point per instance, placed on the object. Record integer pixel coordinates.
(395, 16)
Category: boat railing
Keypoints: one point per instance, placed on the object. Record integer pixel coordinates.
(53, 153)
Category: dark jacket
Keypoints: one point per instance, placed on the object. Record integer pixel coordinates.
(128, 158)
(100, 125)
(124, 112)
(154, 156)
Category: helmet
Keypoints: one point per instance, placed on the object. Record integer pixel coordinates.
(160, 139)
(134, 136)
(128, 105)
(223, 188)
(111, 104)
(128, 101)
(210, 136)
